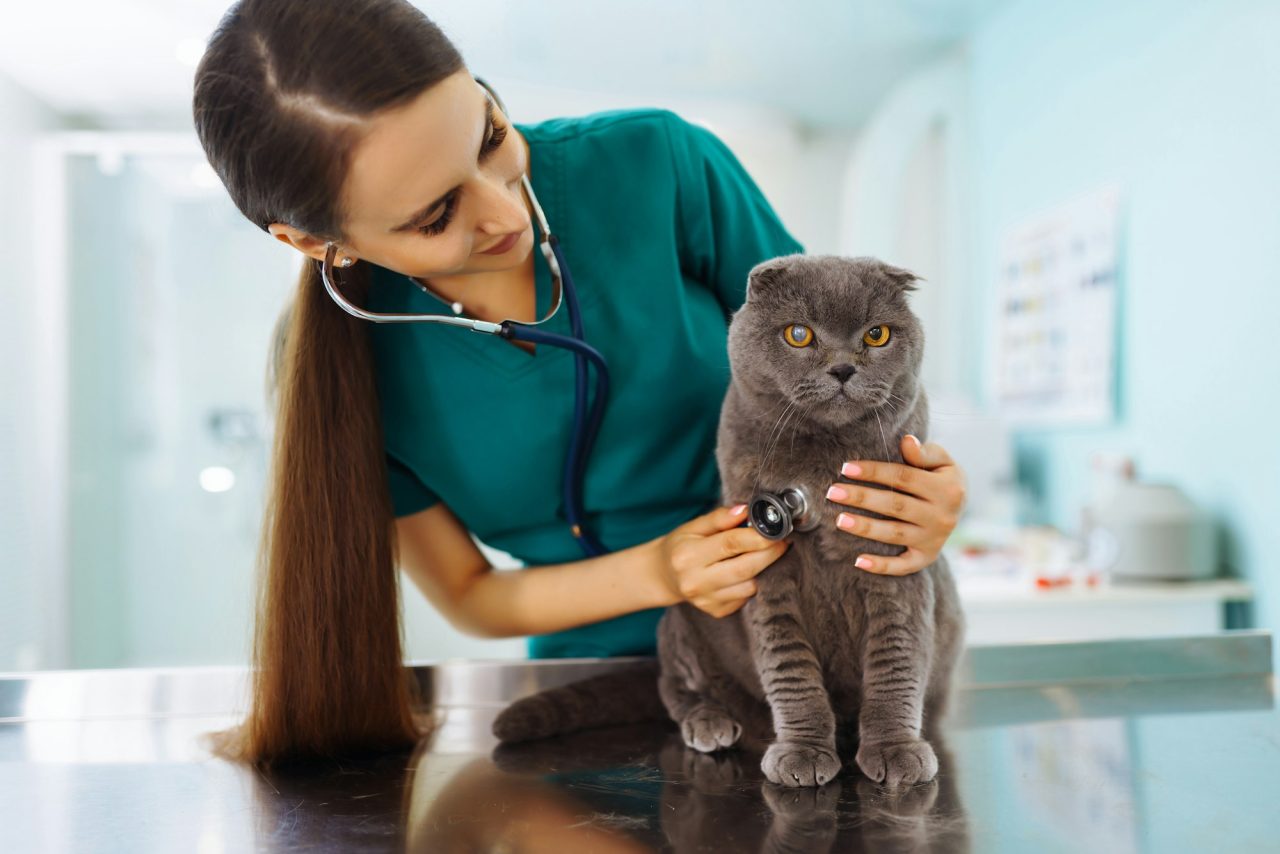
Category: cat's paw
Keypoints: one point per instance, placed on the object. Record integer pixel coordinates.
(795, 763)
(898, 763)
(792, 802)
(707, 728)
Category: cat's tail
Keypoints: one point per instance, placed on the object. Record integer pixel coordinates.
(625, 696)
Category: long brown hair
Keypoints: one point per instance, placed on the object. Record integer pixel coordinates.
(281, 98)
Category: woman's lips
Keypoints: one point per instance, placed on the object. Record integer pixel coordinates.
(503, 245)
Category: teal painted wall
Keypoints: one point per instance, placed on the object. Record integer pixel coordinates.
(1178, 104)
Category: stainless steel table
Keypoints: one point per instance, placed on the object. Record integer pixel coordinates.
(1163, 745)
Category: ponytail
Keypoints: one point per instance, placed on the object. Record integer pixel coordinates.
(278, 112)
(329, 677)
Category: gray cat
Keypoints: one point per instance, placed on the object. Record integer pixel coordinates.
(825, 357)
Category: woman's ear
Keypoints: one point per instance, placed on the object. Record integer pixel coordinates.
(300, 240)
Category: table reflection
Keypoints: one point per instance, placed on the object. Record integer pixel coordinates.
(627, 789)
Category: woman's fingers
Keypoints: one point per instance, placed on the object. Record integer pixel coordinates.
(728, 599)
(928, 473)
(886, 502)
(735, 570)
(922, 519)
(733, 598)
(929, 455)
(883, 530)
(714, 521)
(912, 560)
(922, 483)
(729, 544)
(725, 584)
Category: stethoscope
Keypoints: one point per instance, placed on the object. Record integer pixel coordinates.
(585, 426)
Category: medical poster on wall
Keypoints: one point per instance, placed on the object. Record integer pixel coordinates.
(1056, 347)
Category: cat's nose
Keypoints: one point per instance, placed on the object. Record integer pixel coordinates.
(842, 372)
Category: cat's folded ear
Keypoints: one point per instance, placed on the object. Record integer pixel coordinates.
(904, 279)
(767, 274)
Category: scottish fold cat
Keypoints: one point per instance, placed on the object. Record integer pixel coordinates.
(825, 355)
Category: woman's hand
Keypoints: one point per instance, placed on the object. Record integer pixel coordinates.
(712, 563)
(922, 520)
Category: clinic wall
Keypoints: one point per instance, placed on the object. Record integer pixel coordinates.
(1174, 102)
(24, 553)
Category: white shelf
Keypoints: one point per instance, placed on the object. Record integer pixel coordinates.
(1218, 590)
(1007, 612)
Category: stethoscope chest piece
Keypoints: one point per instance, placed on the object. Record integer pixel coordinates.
(777, 515)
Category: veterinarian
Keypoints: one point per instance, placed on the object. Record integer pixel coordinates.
(355, 133)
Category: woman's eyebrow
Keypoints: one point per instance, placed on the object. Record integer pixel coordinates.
(484, 135)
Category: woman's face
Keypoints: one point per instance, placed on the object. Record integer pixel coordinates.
(431, 185)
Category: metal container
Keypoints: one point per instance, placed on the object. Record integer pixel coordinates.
(1156, 532)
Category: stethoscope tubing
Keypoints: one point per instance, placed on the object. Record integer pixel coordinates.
(585, 426)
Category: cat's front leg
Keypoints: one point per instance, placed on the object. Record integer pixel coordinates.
(804, 753)
(895, 673)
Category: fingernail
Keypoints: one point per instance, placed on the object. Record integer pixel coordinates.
(844, 520)
(837, 493)
(914, 439)
(851, 470)
(862, 563)
(736, 509)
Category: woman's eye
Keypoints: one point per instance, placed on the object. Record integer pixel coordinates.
(877, 336)
(441, 222)
(798, 335)
(495, 140)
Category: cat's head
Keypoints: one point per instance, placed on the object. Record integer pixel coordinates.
(832, 334)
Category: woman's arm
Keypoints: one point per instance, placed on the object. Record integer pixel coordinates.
(438, 554)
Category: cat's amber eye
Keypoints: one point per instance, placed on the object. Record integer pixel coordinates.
(877, 336)
(798, 335)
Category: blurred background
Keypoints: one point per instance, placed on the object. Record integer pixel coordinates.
(1090, 190)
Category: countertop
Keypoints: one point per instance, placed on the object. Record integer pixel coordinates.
(1163, 744)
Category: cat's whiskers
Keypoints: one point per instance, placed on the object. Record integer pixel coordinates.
(895, 411)
(786, 404)
(935, 411)
(883, 440)
(771, 442)
(777, 427)
(796, 423)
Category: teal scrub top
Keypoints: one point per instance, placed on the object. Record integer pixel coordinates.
(659, 223)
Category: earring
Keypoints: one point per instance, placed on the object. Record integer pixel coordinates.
(345, 262)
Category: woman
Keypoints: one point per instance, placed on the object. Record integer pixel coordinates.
(357, 123)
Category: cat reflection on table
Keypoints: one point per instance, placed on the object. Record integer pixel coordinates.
(825, 358)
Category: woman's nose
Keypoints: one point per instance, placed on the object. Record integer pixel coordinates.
(504, 207)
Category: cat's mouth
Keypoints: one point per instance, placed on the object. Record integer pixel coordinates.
(856, 395)
(844, 394)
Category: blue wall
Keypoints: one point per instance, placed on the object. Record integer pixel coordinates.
(1178, 104)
